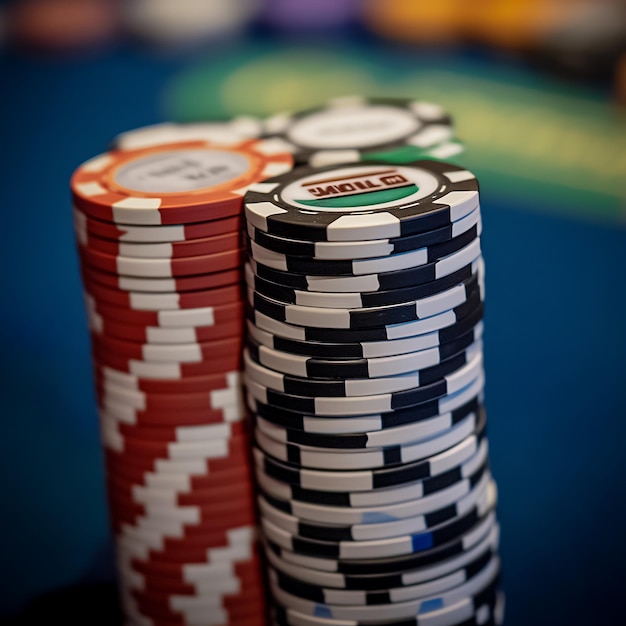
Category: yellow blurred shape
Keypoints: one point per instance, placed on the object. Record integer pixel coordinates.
(301, 81)
(510, 24)
(516, 24)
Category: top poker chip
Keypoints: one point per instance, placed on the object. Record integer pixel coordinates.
(355, 128)
(175, 183)
(169, 132)
(356, 202)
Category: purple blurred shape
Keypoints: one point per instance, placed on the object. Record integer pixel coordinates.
(305, 15)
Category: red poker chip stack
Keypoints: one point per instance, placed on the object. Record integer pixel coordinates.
(158, 222)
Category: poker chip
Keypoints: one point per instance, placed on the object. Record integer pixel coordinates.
(393, 610)
(194, 416)
(172, 450)
(201, 476)
(141, 399)
(165, 267)
(179, 285)
(144, 495)
(364, 459)
(394, 313)
(430, 338)
(397, 390)
(359, 266)
(353, 128)
(389, 437)
(484, 609)
(244, 127)
(168, 311)
(289, 295)
(162, 370)
(404, 395)
(366, 428)
(175, 466)
(224, 385)
(348, 250)
(389, 565)
(353, 589)
(158, 335)
(352, 300)
(174, 183)
(181, 353)
(112, 298)
(193, 247)
(86, 226)
(466, 456)
(371, 531)
(449, 600)
(158, 228)
(363, 368)
(349, 202)
(366, 386)
(373, 282)
(390, 332)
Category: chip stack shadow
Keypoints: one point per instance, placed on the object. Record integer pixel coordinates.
(364, 375)
(158, 222)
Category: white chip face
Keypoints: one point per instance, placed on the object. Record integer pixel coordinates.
(223, 133)
(360, 188)
(353, 127)
(179, 171)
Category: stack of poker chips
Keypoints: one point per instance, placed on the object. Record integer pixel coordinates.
(364, 374)
(158, 221)
(355, 128)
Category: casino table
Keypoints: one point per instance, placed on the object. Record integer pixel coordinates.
(551, 160)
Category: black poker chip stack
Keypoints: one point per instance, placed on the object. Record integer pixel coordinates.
(364, 373)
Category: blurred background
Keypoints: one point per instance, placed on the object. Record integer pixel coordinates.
(538, 92)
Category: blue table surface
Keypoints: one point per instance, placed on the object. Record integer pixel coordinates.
(555, 342)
